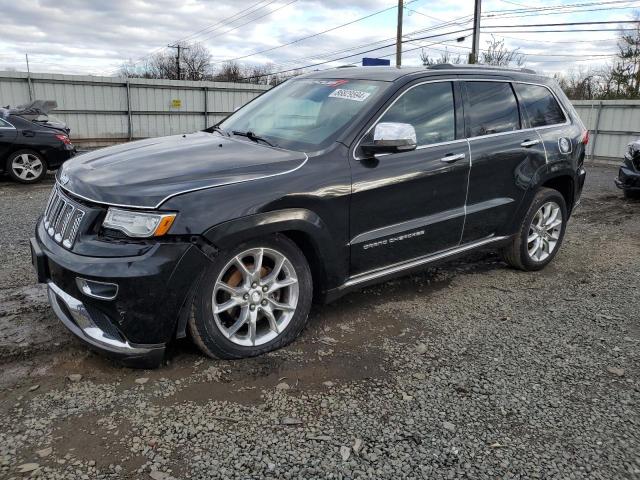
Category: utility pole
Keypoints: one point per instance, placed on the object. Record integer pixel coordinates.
(399, 35)
(178, 48)
(473, 56)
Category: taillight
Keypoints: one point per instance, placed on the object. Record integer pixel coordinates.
(63, 138)
(585, 137)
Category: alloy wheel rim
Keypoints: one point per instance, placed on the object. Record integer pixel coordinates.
(27, 166)
(544, 231)
(255, 297)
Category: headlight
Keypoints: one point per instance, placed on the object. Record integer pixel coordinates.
(138, 224)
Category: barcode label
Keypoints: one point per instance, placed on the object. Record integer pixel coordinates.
(355, 95)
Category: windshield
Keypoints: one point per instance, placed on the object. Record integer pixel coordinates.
(304, 114)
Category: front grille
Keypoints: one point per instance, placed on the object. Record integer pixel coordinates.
(62, 218)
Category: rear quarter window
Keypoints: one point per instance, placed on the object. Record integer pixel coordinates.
(4, 124)
(492, 108)
(540, 106)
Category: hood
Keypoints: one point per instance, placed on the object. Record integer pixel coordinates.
(146, 173)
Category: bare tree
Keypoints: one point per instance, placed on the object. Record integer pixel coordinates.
(499, 55)
(195, 64)
(445, 57)
(230, 72)
(581, 84)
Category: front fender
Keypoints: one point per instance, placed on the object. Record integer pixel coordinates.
(330, 260)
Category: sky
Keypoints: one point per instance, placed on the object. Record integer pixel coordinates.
(97, 37)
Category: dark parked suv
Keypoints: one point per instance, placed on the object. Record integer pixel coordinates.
(324, 184)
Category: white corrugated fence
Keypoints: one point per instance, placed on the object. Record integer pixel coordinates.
(105, 110)
(612, 125)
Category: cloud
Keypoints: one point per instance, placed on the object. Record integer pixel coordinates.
(96, 37)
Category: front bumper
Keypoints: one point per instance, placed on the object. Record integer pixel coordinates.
(153, 291)
(95, 333)
(628, 179)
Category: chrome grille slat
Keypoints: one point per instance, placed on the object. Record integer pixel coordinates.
(62, 218)
(61, 226)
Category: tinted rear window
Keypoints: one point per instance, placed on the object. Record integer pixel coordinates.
(539, 104)
(492, 108)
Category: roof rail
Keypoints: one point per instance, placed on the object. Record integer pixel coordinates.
(449, 66)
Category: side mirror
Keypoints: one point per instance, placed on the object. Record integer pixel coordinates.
(390, 137)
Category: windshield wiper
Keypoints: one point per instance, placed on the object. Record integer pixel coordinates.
(252, 136)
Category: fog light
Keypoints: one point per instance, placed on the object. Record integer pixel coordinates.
(100, 290)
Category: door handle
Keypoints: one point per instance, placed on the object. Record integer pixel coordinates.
(452, 158)
(530, 143)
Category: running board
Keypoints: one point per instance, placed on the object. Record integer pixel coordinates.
(399, 267)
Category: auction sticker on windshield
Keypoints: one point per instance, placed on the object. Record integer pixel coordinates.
(355, 95)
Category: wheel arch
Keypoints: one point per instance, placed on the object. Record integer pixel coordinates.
(561, 180)
(565, 184)
(302, 226)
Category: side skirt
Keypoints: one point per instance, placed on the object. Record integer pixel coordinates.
(402, 268)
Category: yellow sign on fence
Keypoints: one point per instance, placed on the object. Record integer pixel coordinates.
(176, 103)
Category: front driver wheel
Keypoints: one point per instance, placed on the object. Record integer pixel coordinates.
(541, 232)
(253, 299)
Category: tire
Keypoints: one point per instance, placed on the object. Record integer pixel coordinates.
(256, 296)
(26, 166)
(631, 194)
(535, 225)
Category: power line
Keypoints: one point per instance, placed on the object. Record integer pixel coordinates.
(353, 55)
(454, 32)
(567, 24)
(227, 31)
(564, 12)
(560, 7)
(229, 19)
(208, 37)
(220, 22)
(298, 40)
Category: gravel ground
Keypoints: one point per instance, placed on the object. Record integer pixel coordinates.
(469, 370)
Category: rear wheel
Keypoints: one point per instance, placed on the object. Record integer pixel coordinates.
(26, 166)
(253, 299)
(541, 232)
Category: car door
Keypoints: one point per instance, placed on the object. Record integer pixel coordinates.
(504, 156)
(8, 135)
(543, 112)
(410, 204)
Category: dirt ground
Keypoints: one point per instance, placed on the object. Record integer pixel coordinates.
(468, 370)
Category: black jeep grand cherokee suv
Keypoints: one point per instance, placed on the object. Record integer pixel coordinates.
(326, 183)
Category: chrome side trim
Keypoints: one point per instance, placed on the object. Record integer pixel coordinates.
(82, 325)
(408, 225)
(182, 192)
(487, 204)
(399, 267)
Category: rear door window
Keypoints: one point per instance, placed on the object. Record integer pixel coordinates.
(430, 109)
(492, 108)
(4, 124)
(540, 106)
